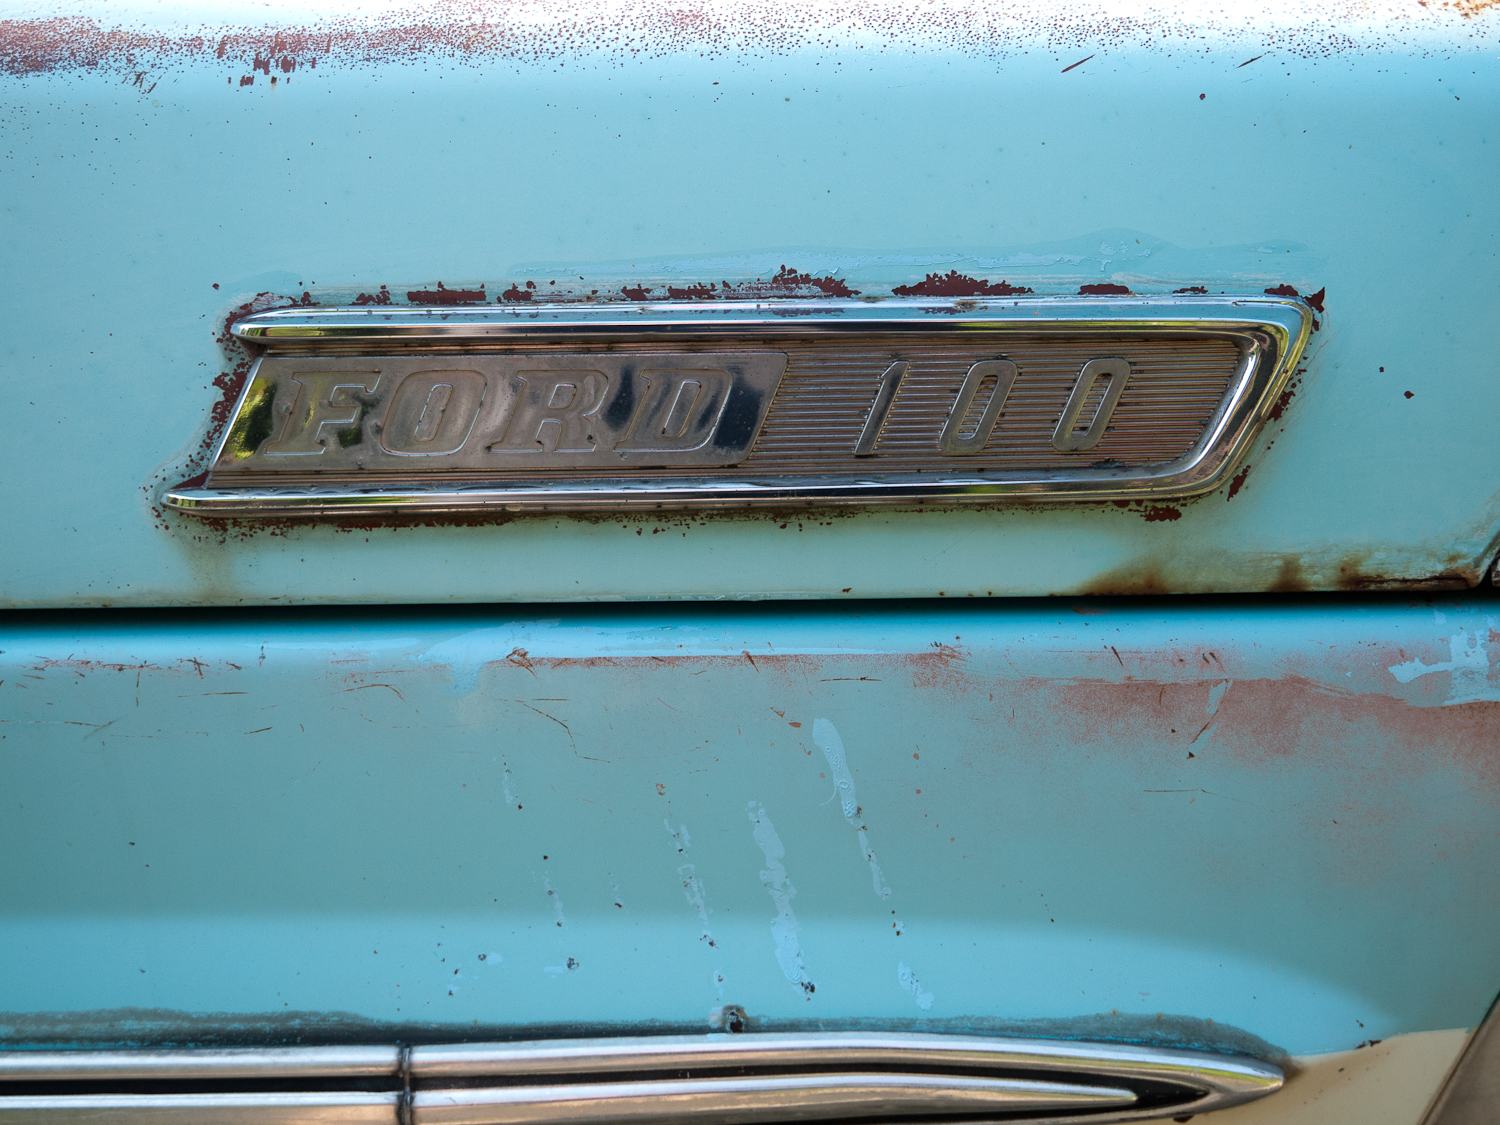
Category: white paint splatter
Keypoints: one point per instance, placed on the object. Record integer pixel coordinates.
(466, 654)
(692, 886)
(909, 981)
(826, 738)
(773, 876)
(1469, 666)
(555, 899)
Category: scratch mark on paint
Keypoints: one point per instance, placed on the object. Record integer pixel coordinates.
(554, 718)
(1216, 696)
(826, 738)
(507, 783)
(779, 887)
(910, 982)
(1469, 665)
(692, 886)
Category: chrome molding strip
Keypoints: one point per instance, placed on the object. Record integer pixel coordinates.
(722, 1101)
(353, 1108)
(1270, 333)
(742, 1079)
(267, 1062)
(1228, 1075)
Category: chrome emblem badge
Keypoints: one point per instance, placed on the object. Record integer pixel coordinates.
(362, 411)
(392, 414)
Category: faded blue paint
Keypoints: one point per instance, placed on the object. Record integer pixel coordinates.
(635, 818)
(1360, 164)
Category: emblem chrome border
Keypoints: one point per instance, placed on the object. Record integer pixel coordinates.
(1271, 333)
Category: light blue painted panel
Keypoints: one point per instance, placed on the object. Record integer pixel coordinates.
(1353, 156)
(1054, 817)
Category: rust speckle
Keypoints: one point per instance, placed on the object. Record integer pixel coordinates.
(1155, 513)
(1471, 8)
(1103, 289)
(1191, 289)
(1284, 398)
(1314, 300)
(636, 292)
(790, 283)
(444, 296)
(513, 294)
(698, 292)
(382, 297)
(457, 31)
(955, 284)
(1237, 483)
(1282, 401)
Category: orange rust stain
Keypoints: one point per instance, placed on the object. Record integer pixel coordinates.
(1283, 724)
(1144, 578)
(1280, 723)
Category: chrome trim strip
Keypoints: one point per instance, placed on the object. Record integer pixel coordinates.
(726, 1101)
(846, 1049)
(725, 1078)
(1271, 333)
(353, 1108)
(249, 1062)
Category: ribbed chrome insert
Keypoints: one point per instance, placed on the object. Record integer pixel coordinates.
(715, 1080)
